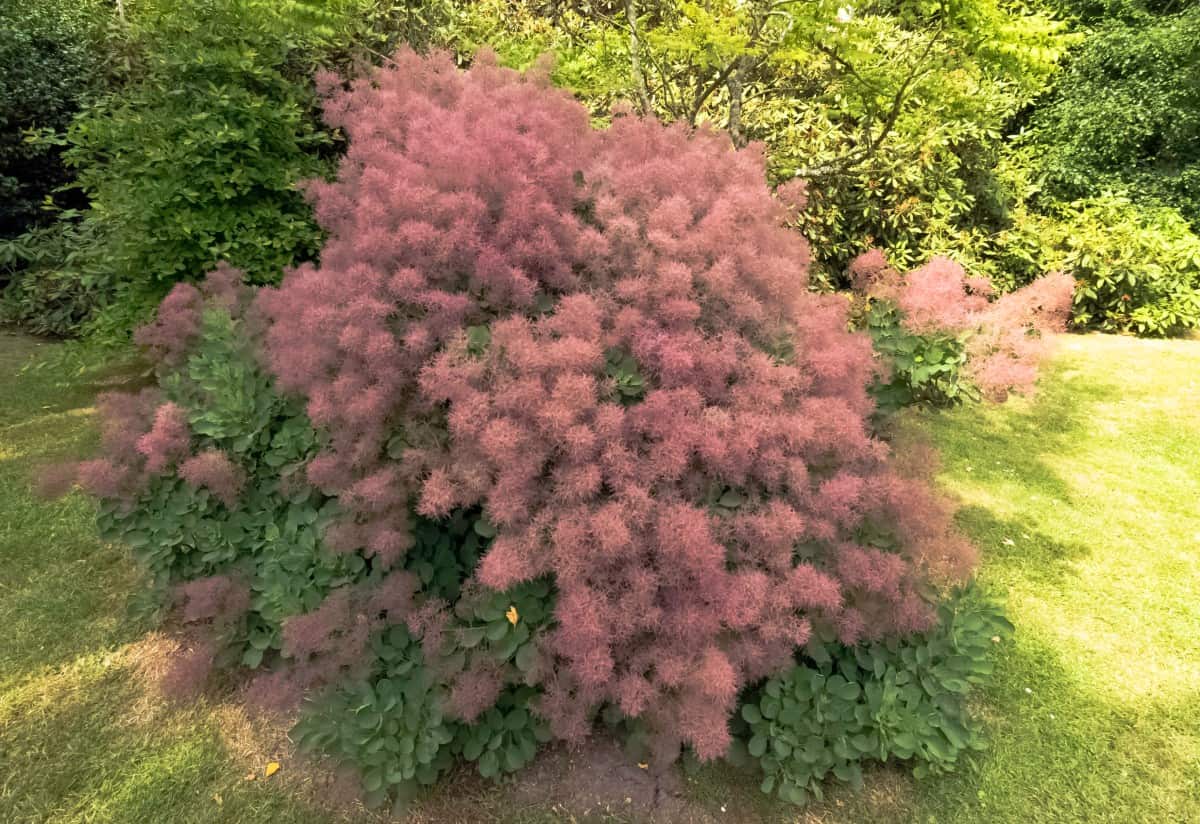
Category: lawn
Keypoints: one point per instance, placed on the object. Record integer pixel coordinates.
(1084, 502)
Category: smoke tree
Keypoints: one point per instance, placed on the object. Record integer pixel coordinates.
(587, 359)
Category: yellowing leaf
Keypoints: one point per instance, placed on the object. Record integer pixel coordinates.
(272, 768)
(251, 776)
(512, 615)
(643, 766)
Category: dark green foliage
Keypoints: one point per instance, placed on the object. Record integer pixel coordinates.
(390, 727)
(622, 369)
(903, 699)
(806, 725)
(52, 287)
(49, 67)
(372, 29)
(189, 127)
(394, 728)
(505, 738)
(1125, 116)
(445, 553)
(502, 626)
(925, 369)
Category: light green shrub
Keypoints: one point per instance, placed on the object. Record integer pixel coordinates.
(1136, 269)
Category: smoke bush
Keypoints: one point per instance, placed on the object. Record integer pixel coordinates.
(588, 364)
(953, 323)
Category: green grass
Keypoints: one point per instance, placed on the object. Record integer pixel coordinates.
(79, 741)
(1085, 503)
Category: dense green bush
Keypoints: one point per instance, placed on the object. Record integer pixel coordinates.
(50, 66)
(843, 706)
(1136, 269)
(390, 726)
(197, 159)
(180, 531)
(1125, 115)
(195, 153)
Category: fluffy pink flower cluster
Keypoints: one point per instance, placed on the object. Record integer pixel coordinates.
(142, 436)
(177, 322)
(213, 470)
(331, 641)
(1008, 337)
(488, 250)
(485, 199)
(218, 602)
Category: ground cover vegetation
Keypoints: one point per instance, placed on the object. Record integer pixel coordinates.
(1088, 717)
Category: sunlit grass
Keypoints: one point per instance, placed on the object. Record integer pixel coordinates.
(1086, 503)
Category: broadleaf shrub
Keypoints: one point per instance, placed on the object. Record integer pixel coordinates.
(53, 287)
(390, 727)
(555, 427)
(197, 159)
(50, 67)
(1125, 114)
(843, 706)
(1137, 268)
(925, 369)
(191, 156)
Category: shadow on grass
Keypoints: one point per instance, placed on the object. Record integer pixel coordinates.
(1061, 753)
(1008, 444)
(63, 592)
(1012, 545)
(1056, 753)
(41, 390)
(87, 743)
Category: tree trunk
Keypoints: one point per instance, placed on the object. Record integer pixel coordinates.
(635, 59)
(734, 84)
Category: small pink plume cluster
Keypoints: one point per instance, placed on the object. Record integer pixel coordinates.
(487, 248)
(1009, 336)
(142, 434)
